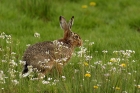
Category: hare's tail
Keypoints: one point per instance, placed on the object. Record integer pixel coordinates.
(25, 70)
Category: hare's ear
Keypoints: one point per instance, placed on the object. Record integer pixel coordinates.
(63, 23)
(71, 22)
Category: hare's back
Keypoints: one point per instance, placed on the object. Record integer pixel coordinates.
(38, 49)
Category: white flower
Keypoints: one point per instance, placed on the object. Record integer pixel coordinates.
(28, 45)
(133, 61)
(36, 34)
(105, 51)
(107, 75)
(22, 62)
(49, 78)
(115, 52)
(2, 36)
(87, 40)
(30, 68)
(98, 62)
(91, 43)
(57, 60)
(76, 70)
(33, 79)
(12, 72)
(48, 67)
(88, 72)
(4, 61)
(57, 43)
(66, 47)
(129, 73)
(61, 64)
(46, 60)
(56, 80)
(13, 53)
(8, 36)
(88, 58)
(15, 82)
(82, 51)
(8, 41)
(45, 82)
(115, 60)
(113, 69)
(63, 77)
(47, 52)
(12, 63)
(64, 59)
(2, 77)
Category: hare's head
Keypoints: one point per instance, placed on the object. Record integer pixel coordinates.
(69, 36)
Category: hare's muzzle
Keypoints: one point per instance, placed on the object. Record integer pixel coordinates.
(80, 43)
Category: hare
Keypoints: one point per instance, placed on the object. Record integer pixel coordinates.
(49, 54)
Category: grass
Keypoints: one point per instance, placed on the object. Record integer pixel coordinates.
(113, 26)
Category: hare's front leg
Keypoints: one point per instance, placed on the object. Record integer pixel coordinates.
(59, 67)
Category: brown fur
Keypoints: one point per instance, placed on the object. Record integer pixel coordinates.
(46, 55)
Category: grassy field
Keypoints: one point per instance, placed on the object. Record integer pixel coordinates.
(108, 62)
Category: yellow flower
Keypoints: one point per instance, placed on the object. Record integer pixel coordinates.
(117, 88)
(92, 4)
(84, 6)
(95, 87)
(123, 65)
(85, 63)
(87, 75)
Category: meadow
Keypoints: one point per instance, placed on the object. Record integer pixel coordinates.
(108, 61)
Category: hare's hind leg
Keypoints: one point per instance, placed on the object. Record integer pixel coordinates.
(46, 70)
(42, 74)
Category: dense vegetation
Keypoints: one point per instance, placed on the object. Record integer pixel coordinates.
(108, 61)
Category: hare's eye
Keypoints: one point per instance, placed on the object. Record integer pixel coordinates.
(76, 37)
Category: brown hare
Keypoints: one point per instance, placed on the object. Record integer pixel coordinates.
(49, 54)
